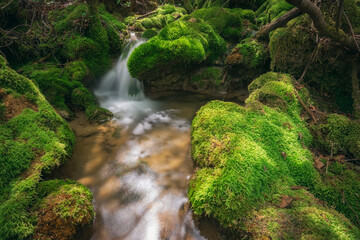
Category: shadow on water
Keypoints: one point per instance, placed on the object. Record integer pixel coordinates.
(137, 166)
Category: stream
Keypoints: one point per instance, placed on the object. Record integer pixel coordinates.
(138, 165)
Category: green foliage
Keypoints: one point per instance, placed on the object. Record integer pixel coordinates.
(82, 97)
(249, 157)
(98, 114)
(224, 21)
(178, 46)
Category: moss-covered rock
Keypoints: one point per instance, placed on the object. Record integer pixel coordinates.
(226, 22)
(98, 114)
(65, 207)
(178, 46)
(149, 33)
(339, 134)
(82, 97)
(34, 140)
(251, 158)
(291, 49)
(207, 78)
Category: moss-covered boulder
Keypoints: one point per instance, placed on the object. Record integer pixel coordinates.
(256, 174)
(206, 78)
(339, 134)
(34, 140)
(329, 71)
(272, 9)
(98, 114)
(248, 60)
(177, 47)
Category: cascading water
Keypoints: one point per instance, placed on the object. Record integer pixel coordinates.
(139, 173)
(118, 83)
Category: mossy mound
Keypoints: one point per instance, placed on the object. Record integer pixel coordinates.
(291, 49)
(178, 46)
(248, 53)
(34, 140)
(339, 134)
(272, 9)
(226, 22)
(162, 16)
(149, 33)
(63, 202)
(250, 159)
(98, 114)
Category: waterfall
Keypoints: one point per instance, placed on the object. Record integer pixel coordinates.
(118, 83)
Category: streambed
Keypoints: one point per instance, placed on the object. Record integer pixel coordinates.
(138, 165)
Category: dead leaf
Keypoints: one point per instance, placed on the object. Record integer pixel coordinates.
(319, 164)
(285, 201)
(265, 169)
(284, 155)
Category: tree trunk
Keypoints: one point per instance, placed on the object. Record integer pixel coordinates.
(355, 88)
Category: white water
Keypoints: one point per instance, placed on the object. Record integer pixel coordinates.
(141, 193)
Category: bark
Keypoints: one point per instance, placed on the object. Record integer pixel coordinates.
(279, 22)
(339, 14)
(322, 26)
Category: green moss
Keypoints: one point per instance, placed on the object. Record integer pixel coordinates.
(210, 77)
(245, 13)
(339, 135)
(178, 46)
(41, 139)
(82, 97)
(225, 22)
(249, 158)
(149, 33)
(291, 49)
(69, 18)
(253, 54)
(271, 10)
(76, 70)
(98, 114)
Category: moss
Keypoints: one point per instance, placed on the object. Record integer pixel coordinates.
(98, 114)
(291, 49)
(339, 135)
(252, 54)
(66, 205)
(76, 70)
(178, 46)
(271, 10)
(149, 33)
(82, 97)
(249, 159)
(32, 143)
(245, 13)
(225, 22)
(210, 77)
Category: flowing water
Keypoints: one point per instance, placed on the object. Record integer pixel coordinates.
(139, 165)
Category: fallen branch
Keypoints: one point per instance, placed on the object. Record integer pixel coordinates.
(145, 15)
(305, 107)
(308, 65)
(279, 22)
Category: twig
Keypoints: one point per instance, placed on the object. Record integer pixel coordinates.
(339, 13)
(352, 31)
(225, 75)
(146, 14)
(304, 106)
(7, 5)
(308, 65)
